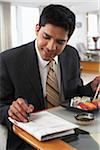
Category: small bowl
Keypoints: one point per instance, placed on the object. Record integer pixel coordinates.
(84, 118)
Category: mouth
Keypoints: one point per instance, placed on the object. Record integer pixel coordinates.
(48, 52)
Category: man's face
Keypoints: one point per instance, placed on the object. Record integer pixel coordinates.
(51, 40)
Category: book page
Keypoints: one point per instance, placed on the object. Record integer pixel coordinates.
(45, 123)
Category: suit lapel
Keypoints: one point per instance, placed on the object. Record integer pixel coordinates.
(32, 70)
(64, 72)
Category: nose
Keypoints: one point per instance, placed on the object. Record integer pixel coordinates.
(51, 45)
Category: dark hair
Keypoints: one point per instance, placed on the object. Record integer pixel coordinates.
(58, 15)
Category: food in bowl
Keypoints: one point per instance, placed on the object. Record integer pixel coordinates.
(84, 103)
(87, 106)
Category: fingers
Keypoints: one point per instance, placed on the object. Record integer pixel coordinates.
(19, 109)
(30, 108)
(96, 102)
(16, 115)
(95, 83)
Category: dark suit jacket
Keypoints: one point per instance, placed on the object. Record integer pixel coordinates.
(20, 77)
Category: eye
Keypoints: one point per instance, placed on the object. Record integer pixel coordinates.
(61, 42)
(46, 36)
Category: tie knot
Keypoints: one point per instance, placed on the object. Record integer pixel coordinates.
(51, 63)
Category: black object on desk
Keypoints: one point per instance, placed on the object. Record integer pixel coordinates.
(73, 137)
(81, 140)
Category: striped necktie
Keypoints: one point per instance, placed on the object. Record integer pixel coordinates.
(52, 89)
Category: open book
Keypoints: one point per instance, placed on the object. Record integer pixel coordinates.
(45, 125)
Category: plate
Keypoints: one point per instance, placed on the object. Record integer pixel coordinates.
(66, 105)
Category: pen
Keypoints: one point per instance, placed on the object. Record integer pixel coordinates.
(28, 114)
(97, 91)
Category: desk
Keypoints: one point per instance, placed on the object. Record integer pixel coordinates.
(93, 129)
(46, 145)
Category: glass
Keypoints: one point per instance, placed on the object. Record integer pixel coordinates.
(95, 39)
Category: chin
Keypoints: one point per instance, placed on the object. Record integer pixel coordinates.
(47, 58)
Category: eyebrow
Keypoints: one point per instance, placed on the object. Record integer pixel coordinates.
(55, 39)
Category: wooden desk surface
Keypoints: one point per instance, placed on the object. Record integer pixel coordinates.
(46, 145)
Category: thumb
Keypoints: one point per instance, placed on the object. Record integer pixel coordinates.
(30, 108)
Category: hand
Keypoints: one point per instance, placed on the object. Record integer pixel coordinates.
(95, 83)
(19, 110)
(96, 102)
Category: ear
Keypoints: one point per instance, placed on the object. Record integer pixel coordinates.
(37, 28)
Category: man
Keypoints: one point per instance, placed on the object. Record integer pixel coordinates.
(23, 71)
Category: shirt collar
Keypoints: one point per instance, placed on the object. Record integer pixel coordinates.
(43, 63)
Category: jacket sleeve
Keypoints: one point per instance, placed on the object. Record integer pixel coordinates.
(6, 90)
(71, 75)
(87, 90)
